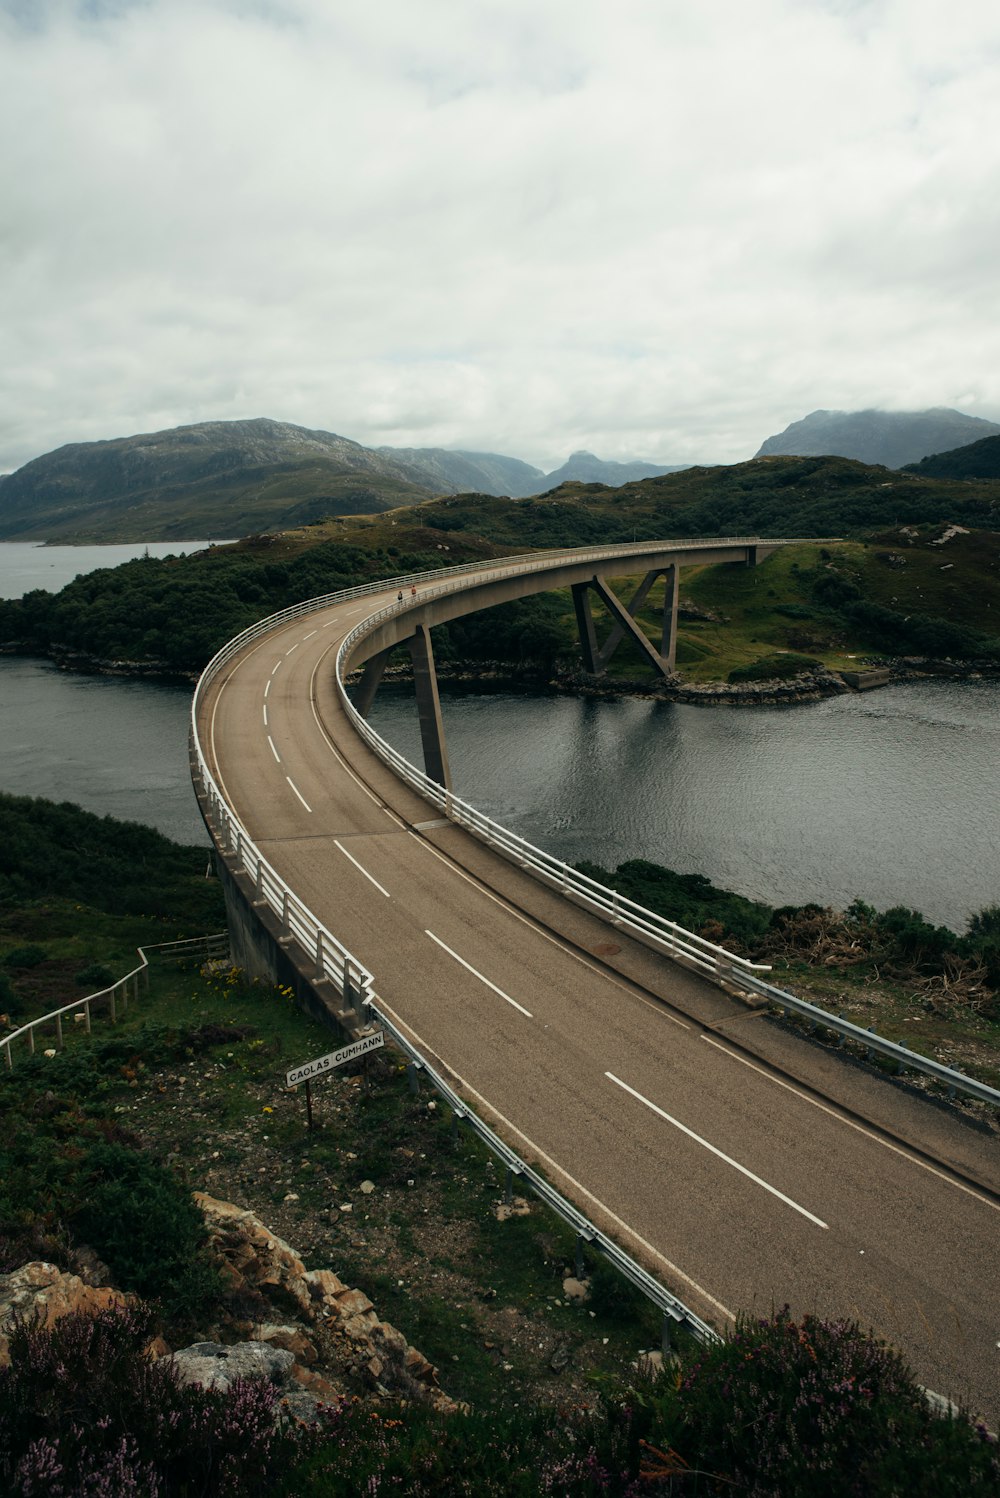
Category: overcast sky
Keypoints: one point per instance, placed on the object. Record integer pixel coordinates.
(651, 228)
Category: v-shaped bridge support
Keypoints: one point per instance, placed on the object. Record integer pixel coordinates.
(596, 656)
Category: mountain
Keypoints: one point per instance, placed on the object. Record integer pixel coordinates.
(448, 472)
(222, 478)
(977, 460)
(234, 478)
(584, 468)
(891, 438)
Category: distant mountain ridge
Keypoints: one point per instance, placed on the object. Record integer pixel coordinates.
(238, 477)
(228, 477)
(890, 438)
(584, 468)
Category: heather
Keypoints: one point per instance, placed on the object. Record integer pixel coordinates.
(787, 1408)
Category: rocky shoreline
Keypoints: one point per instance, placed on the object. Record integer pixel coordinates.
(499, 676)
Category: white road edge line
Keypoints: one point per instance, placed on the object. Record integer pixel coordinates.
(534, 1153)
(273, 750)
(849, 1122)
(469, 968)
(712, 1150)
(370, 877)
(295, 788)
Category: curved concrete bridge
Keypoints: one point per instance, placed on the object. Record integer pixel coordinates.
(742, 1165)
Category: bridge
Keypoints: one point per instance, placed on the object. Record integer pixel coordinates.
(742, 1165)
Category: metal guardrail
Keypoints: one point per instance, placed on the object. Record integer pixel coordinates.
(116, 995)
(674, 1311)
(654, 930)
(906, 1060)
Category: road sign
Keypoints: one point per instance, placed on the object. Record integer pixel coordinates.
(373, 1042)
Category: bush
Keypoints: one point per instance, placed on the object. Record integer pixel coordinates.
(11, 1002)
(774, 668)
(23, 958)
(818, 1409)
(94, 976)
(83, 1410)
(146, 1227)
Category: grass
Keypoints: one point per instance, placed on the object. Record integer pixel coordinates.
(195, 1071)
(770, 611)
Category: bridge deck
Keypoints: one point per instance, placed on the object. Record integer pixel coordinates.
(669, 1112)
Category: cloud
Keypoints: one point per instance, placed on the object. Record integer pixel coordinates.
(658, 229)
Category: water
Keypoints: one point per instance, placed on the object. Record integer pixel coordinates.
(25, 565)
(115, 747)
(890, 797)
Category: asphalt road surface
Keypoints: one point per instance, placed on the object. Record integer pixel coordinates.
(744, 1165)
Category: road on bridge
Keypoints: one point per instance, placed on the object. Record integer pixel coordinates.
(745, 1166)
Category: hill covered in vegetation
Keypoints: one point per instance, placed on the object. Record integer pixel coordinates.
(232, 478)
(218, 478)
(978, 460)
(918, 573)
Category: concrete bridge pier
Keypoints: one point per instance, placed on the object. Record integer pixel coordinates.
(429, 707)
(595, 656)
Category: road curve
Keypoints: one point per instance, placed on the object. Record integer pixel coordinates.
(744, 1166)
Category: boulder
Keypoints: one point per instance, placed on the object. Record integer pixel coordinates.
(217, 1367)
(44, 1292)
(334, 1328)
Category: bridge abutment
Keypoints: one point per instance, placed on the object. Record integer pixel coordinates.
(264, 951)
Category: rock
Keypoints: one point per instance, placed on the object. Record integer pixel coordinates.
(323, 1282)
(292, 1338)
(367, 1187)
(517, 1207)
(91, 1269)
(560, 1357)
(42, 1290)
(335, 1329)
(576, 1290)
(217, 1367)
(353, 1302)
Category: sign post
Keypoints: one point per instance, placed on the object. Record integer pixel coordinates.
(323, 1064)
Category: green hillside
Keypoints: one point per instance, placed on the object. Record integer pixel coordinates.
(977, 460)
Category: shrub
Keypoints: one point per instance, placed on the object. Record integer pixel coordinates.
(25, 957)
(11, 1002)
(144, 1224)
(84, 1410)
(94, 976)
(774, 668)
(613, 1296)
(818, 1409)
